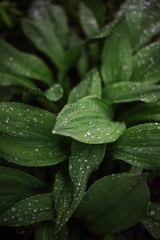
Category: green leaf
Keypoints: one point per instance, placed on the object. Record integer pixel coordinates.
(87, 20)
(143, 21)
(117, 61)
(44, 231)
(131, 91)
(83, 161)
(92, 118)
(146, 64)
(25, 135)
(54, 93)
(28, 211)
(90, 86)
(152, 220)
(139, 146)
(114, 203)
(16, 185)
(46, 39)
(142, 112)
(19, 66)
(98, 10)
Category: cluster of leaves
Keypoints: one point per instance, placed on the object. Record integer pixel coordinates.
(79, 157)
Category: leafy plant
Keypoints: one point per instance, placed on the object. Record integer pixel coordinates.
(80, 140)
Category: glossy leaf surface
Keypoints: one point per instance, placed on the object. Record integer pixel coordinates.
(139, 146)
(92, 118)
(25, 135)
(114, 203)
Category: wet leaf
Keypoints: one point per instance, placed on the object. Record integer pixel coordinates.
(130, 92)
(28, 211)
(54, 93)
(152, 220)
(25, 135)
(117, 61)
(17, 185)
(139, 146)
(90, 86)
(114, 203)
(16, 67)
(92, 118)
(87, 20)
(83, 161)
(146, 64)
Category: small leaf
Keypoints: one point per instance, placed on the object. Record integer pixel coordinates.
(146, 64)
(25, 135)
(44, 231)
(28, 211)
(152, 220)
(92, 118)
(114, 203)
(16, 185)
(87, 20)
(17, 65)
(90, 86)
(117, 64)
(54, 93)
(139, 146)
(130, 92)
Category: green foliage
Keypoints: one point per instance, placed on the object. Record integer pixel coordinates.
(80, 125)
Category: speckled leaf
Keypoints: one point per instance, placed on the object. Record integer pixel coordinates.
(92, 118)
(117, 61)
(44, 231)
(152, 220)
(87, 20)
(16, 67)
(139, 146)
(142, 112)
(131, 91)
(83, 161)
(16, 185)
(54, 93)
(143, 21)
(147, 64)
(25, 135)
(30, 210)
(90, 86)
(46, 39)
(114, 203)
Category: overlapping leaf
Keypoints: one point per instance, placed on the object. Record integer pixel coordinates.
(28, 211)
(139, 146)
(90, 86)
(17, 185)
(17, 67)
(114, 202)
(44, 231)
(92, 118)
(117, 61)
(25, 135)
(131, 91)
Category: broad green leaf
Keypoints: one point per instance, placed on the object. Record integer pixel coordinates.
(26, 136)
(146, 64)
(117, 61)
(98, 10)
(114, 203)
(54, 93)
(130, 92)
(143, 21)
(41, 30)
(87, 20)
(152, 220)
(28, 211)
(83, 161)
(90, 86)
(44, 231)
(7, 79)
(16, 67)
(139, 146)
(92, 118)
(142, 112)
